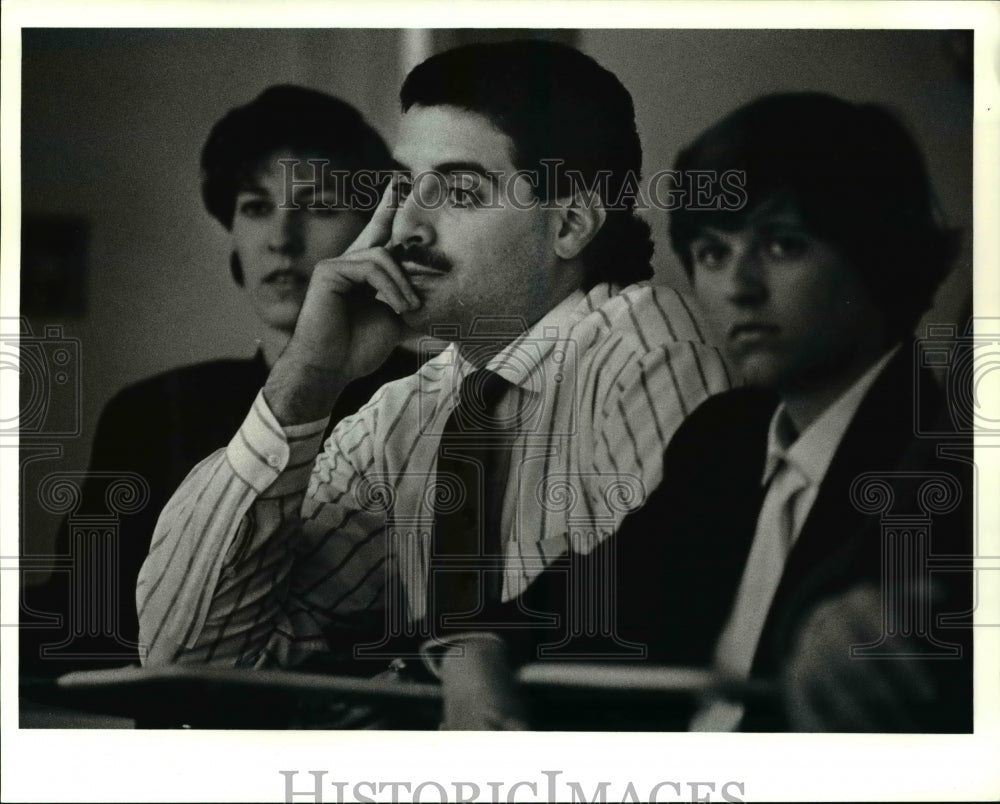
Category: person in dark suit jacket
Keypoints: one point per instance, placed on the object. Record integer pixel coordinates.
(273, 174)
(804, 510)
(793, 537)
(680, 561)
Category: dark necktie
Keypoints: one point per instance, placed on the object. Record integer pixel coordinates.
(466, 563)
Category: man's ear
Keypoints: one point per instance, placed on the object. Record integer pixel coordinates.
(580, 217)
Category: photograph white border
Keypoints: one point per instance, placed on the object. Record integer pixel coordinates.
(86, 765)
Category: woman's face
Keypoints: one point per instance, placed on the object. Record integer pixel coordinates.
(286, 219)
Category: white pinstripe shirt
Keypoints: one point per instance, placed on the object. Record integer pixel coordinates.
(266, 545)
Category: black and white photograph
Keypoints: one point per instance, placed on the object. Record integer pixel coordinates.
(619, 382)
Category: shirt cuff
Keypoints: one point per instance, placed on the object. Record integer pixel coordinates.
(272, 458)
(433, 650)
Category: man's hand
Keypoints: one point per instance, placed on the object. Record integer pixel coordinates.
(478, 687)
(348, 324)
(825, 689)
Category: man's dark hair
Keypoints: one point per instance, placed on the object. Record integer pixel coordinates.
(285, 117)
(855, 176)
(554, 103)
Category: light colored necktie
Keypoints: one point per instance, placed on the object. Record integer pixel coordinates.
(772, 543)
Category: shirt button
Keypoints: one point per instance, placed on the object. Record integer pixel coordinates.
(273, 461)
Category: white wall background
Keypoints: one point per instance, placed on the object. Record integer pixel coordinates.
(684, 81)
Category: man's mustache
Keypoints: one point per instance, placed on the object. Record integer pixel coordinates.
(420, 255)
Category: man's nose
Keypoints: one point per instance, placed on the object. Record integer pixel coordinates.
(286, 236)
(413, 223)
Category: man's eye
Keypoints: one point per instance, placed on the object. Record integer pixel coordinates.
(785, 247)
(255, 208)
(463, 197)
(404, 186)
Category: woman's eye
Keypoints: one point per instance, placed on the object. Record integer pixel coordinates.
(784, 247)
(255, 208)
(708, 255)
(322, 212)
(323, 208)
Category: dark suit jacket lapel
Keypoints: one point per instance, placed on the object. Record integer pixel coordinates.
(876, 439)
(712, 476)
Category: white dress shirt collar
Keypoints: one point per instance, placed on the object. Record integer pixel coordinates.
(811, 453)
(521, 362)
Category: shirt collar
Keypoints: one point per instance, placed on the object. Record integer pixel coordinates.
(521, 361)
(813, 450)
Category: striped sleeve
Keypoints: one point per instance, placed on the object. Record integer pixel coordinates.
(641, 404)
(211, 587)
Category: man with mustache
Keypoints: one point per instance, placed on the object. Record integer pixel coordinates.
(270, 554)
